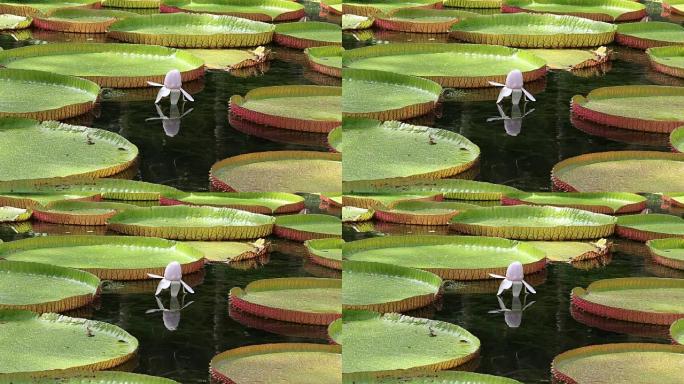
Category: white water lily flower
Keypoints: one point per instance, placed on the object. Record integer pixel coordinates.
(172, 86)
(172, 279)
(513, 87)
(514, 278)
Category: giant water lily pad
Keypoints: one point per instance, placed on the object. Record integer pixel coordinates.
(386, 95)
(481, 6)
(376, 344)
(374, 200)
(650, 226)
(325, 59)
(421, 20)
(326, 252)
(669, 60)
(599, 10)
(650, 300)
(450, 257)
(305, 300)
(284, 171)
(70, 96)
(623, 107)
(82, 377)
(620, 363)
(273, 363)
(79, 20)
(668, 252)
(374, 150)
(355, 22)
(677, 331)
(651, 34)
(133, 4)
(374, 7)
(628, 171)
(13, 215)
(46, 191)
(192, 223)
(440, 377)
(45, 288)
(451, 65)
(31, 200)
(387, 288)
(572, 59)
(307, 226)
(534, 31)
(74, 150)
(261, 10)
(74, 212)
(306, 34)
(572, 251)
(422, 212)
(110, 65)
(599, 202)
(231, 251)
(36, 7)
(50, 341)
(192, 31)
(108, 257)
(12, 22)
(356, 214)
(232, 60)
(258, 202)
(456, 189)
(308, 108)
(534, 223)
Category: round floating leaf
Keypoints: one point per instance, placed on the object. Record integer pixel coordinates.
(82, 377)
(273, 363)
(45, 288)
(79, 212)
(308, 108)
(677, 139)
(12, 214)
(379, 200)
(650, 226)
(266, 203)
(259, 10)
(420, 20)
(192, 31)
(393, 344)
(108, 257)
(307, 34)
(487, 5)
(534, 31)
(13, 22)
(572, 59)
(230, 251)
(50, 341)
(231, 59)
(534, 223)
(617, 171)
(668, 60)
(79, 20)
(325, 59)
(305, 300)
(325, 252)
(110, 65)
(74, 150)
(355, 22)
(356, 214)
(387, 95)
(69, 96)
(455, 189)
(307, 226)
(440, 377)
(572, 251)
(387, 288)
(375, 150)
(111, 189)
(677, 331)
(37, 7)
(31, 200)
(608, 203)
(285, 171)
(668, 252)
(622, 107)
(192, 223)
(620, 363)
(650, 300)
(134, 4)
(422, 212)
(599, 10)
(374, 7)
(650, 34)
(450, 257)
(451, 65)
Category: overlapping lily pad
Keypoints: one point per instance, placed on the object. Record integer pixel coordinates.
(355, 22)
(374, 7)
(307, 34)
(50, 341)
(455, 189)
(420, 20)
(534, 223)
(642, 35)
(622, 363)
(261, 10)
(668, 60)
(599, 202)
(231, 251)
(308, 108)
(677, 139)
(487, 5)
(573, 59)
(13, 22)
(266, 203)
(134, 4)
(74, 150)
(356, 215)
(108, 257)
(304, 227)
(617, 171)
(450, 257)
(381, 345)
(599, 10)
(192, 31)
(422, 212)
(668, 252)
(451, 65)
(109, 65)
(325, 59)
(650, 300)
(285, 171)
(325, 252)
(79, 20)
(677, 331)
(13, 215)
(387, 288)
(573, 251)
(333, 7)
(387, 95)
(650, 226)
(305, 300)
(75, 212)
(31, 200)
(183, 222)
(36, 7)
(46, 191)
(534, 31)
(84, 377)
(440, 377)
(285, 362)
(232, 60)
(380, 199)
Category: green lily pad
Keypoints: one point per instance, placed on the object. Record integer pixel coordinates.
(651, 34)
(230, 251)
(110, 65)
(450, 257)
(76, 212)
(326, 252)
(422, 20)
(451, 65)
(534, 31)
(387, 288)
(486, 5)
(356, 22)
(668, 252)
(192, 223)
(85, 378)
(387, 95)
(108, 257)
(571, 59)
(307, 226)
(455, 189)
(599, 10)
(356, 214)
(534, 223)
(650, 226)
(572, 251)
(422, 212)
(37, 7)
(31, 200)
(677, 139)
(45, 288)
(668, 60)
(258, 202)
(599, 202)
(13, 22)
(374, 7)
(79, 20)
(74, 150)
(325, 59)
(379, 199)
(376, 344)
(307, 34)
(231, 59)
(50, 341)
(45, 191)
(12, 214)
(261, 10)
(134, 4)
(677, 331)
(440, 377)
(616, 171)
(331, 6)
